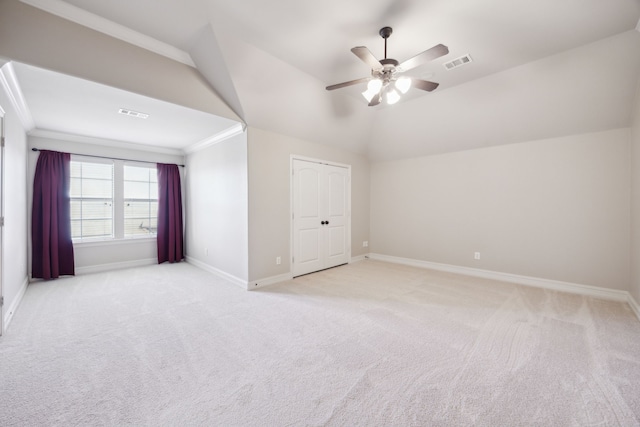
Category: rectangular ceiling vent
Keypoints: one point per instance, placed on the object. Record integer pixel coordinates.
(133, 113)
(458, 62)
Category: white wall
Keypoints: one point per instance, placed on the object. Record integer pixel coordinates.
(98, 256)
(556, 209)
(217, 234)
(14, 251)
(635, 200)
(269, 198)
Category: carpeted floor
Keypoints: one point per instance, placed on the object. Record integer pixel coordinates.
(371, 344)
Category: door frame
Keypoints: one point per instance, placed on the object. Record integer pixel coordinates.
(294, 157)
(2, 163)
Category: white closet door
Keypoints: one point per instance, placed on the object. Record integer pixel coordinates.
(320, 216)
(307, 217)
(335, 214)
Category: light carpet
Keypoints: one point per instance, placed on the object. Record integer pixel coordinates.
(370, 343)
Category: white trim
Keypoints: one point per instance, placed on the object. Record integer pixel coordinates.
(62, 136)
(234, 130)
(99, 268)
(114, 242)
(267, 281)
(634, 305)
(222, 274)
(14, 305)
(359, 258)
(10, 83)
(316, 160)
(574, 288)
(105, 26)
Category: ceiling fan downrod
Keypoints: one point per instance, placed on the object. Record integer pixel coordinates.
(385, 32)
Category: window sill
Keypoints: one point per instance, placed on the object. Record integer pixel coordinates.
(113, 242)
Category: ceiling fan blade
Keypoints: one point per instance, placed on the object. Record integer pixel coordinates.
(424, 84)
(349, 83)
(428, 55)
(367, 57)
(376, 99)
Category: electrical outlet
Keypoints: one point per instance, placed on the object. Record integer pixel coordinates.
(365, 244)
(278, 260)
(476, 255)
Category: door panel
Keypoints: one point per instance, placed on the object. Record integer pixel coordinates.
(336, 212)
(309, 193)
(337, 193)
(309, 245)
(337, 243)
(307, 202)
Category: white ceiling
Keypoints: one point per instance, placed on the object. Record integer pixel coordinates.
(540, 69)
(61, 103)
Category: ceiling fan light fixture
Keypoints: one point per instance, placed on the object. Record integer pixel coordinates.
(392, 96)
(403, 84)
(373, 88)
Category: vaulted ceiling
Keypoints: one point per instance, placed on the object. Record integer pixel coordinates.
(540, 69)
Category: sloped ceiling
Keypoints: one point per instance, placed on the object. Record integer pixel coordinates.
(540, 69)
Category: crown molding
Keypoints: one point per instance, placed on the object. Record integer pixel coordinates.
(62, 136)
(110, 28)
(9, 82)
(234, 130)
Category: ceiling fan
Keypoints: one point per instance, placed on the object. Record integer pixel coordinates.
(386, 79)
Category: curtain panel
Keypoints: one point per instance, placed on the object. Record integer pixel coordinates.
(52, 248)
(170, 231)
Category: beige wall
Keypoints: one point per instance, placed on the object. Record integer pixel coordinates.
(635, 200)
(217, 207)
(555, 209)
(269, 198)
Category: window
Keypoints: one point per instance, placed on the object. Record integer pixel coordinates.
(91, 193)
(140, 201)
(112, 199)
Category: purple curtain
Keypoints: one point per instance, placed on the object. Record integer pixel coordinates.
(52, 248)
(169, 214)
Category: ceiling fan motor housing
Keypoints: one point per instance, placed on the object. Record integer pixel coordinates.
(388, 70)
(385, 32)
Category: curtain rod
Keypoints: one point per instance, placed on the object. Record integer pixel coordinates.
(109, 158)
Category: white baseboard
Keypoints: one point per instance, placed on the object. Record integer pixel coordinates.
(222, 274)
(359, 258)
(634, 305)
(99, 268)
(574, 288)
(255, 284)
(8, 316)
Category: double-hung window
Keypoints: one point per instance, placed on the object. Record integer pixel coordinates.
(91, 193)
(112, 199)
(140, 201)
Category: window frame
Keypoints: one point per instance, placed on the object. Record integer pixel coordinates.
(118, 204)
(124, 199)
(85, 159)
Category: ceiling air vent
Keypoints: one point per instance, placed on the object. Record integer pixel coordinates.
(133, 113)
(458, 62)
